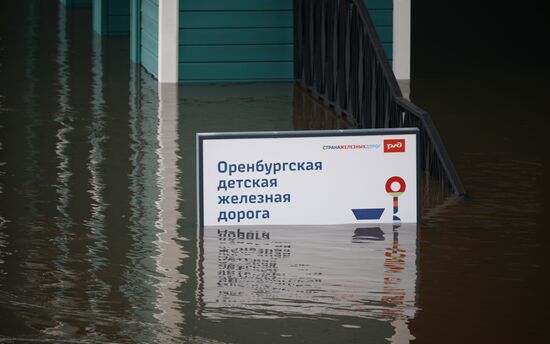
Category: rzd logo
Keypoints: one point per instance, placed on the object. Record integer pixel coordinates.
(394, 146)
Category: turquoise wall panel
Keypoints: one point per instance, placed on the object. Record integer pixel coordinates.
(381, 13)
(239, 40)
(99, 16)
(227, 37)
(119, 25)
(76, 3)
(119, 7)
(111, 17)
(236, 53)
(382, 17)
(149, 36)
(235, 72)
(235, 5)
(379, 4)
(135, 30)
(235, 19)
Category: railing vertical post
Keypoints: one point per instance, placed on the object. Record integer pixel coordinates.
(339, 57)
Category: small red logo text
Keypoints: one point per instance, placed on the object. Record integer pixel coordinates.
(394, 146)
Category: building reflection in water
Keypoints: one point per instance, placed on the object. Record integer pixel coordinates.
(96, 156)
(155, 208)
(88, 191)
(363, 272)
(170, 253)
(62, 276)
(64, 119)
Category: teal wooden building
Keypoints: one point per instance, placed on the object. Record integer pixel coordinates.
(202, 41)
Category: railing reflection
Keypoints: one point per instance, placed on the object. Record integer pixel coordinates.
(311, 114)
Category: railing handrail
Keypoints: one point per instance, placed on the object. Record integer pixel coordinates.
(438, 144)
(388, 100)
(423, 115)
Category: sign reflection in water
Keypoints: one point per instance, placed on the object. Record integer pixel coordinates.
(358, 271)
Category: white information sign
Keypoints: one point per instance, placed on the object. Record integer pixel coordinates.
(308, 177)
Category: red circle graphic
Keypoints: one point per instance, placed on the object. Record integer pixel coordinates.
(402, 185)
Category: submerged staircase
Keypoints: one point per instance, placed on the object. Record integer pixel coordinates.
(339, 58)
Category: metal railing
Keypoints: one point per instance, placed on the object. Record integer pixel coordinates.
(338, 57)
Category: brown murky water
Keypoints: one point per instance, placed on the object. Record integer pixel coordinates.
(98, 237)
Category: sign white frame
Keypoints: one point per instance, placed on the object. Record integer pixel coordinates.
(203, 137)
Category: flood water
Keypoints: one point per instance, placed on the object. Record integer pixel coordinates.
(98, 234)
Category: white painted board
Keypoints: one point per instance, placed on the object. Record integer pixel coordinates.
(308, 177)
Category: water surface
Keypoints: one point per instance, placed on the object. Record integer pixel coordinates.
(98, 236)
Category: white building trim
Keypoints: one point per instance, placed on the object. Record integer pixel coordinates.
(402, 39)
(168, 41)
